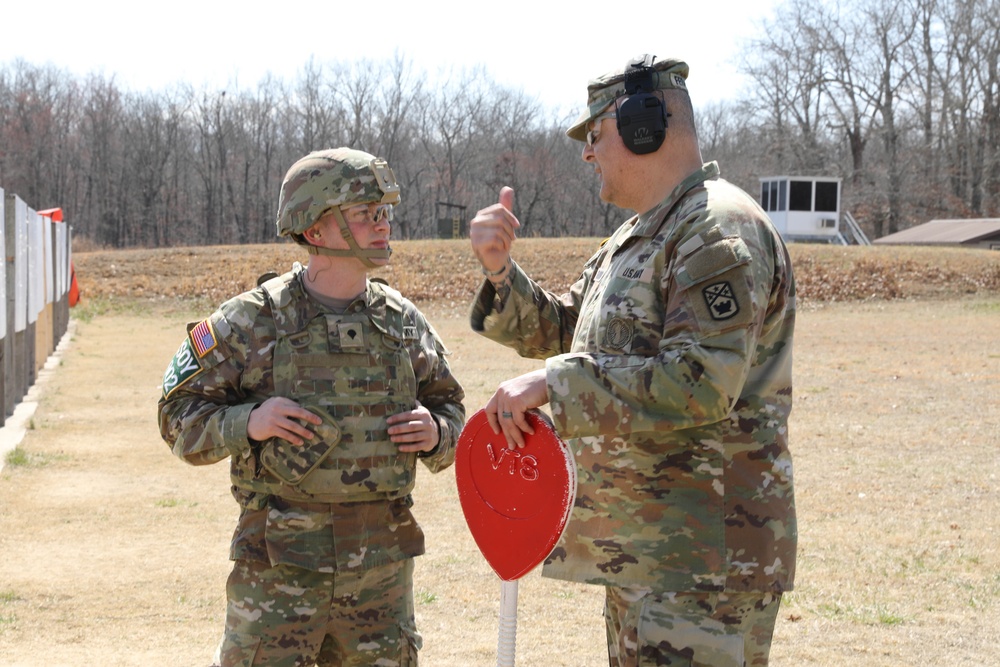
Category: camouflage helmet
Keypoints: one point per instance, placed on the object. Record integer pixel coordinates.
(331, 178)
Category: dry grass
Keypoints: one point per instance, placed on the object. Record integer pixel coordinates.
(446, 272)
(114, 551)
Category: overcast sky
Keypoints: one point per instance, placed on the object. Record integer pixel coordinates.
(534, 45)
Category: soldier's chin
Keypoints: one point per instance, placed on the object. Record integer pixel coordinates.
(382, 261)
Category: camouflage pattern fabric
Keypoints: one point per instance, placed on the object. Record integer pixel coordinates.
(669, 372)
(236, 359)
(690, 629)
(284, 616)
(333, 177)
(353, 369)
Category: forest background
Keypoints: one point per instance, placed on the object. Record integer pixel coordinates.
(899, 99)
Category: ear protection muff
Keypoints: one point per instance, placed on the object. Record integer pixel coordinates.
(642, 118)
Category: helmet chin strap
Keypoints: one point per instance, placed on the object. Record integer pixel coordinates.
(366, 256)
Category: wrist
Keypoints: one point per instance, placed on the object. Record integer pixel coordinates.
(500, 273)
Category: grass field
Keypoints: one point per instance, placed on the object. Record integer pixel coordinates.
(114, 552)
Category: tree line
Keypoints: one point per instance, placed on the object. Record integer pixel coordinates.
(899, 98)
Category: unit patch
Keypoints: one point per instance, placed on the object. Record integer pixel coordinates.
(618, 335)
(182, 368)
(721, 301)
(203, 338)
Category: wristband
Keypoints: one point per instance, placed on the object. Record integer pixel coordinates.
(498, 272)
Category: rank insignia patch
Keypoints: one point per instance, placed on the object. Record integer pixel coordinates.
(721, 301)
(203, 338)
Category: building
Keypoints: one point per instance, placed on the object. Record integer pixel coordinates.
(972, 233)
(807, 208)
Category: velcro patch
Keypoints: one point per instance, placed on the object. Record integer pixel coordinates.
(352, 335)
(181, 368)
(203, 338)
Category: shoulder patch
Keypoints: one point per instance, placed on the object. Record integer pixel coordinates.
(203, 338)
(181, 368)
(719, 271)
(721, 300)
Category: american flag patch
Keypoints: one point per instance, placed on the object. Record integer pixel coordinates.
(203, 338)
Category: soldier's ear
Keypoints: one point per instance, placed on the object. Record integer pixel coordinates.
(313, 235)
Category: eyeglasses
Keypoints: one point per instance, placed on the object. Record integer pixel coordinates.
(593, 135)
(373, 212)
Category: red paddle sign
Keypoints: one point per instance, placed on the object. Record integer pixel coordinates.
(516, 502)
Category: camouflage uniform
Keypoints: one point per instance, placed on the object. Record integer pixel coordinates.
(324, 543)
(669, 372)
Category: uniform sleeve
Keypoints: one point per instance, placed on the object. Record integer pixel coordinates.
(438, 391)
(535, 323)
(203, 409)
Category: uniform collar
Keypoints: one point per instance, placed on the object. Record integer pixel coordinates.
(649, 222)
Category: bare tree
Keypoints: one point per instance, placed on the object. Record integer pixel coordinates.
(788, 67)
(900, 98)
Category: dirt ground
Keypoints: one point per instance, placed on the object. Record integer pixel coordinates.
(113, 552)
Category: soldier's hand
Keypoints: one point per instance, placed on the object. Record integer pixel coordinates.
(493, 231)
(505, 409)
(280, 417)
(414, 431)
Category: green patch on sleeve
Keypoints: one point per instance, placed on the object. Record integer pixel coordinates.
(181, 368)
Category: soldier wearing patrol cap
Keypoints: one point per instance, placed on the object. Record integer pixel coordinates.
(669, 372)
(323, 387)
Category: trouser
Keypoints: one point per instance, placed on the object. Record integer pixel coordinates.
(284, 616)
(689, 629)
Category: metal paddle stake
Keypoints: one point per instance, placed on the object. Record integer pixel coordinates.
(507, 640)
(516, 503)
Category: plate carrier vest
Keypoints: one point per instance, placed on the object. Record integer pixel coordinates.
(353, 370)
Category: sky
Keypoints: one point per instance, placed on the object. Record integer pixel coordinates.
(548, 49)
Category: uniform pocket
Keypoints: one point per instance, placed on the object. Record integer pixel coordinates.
(299, 536)
(291, 463)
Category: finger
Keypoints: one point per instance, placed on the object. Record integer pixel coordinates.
(294, 411)
(507, 198)
(515, 439)
(310, 417)
(399, 418)
(408, 432)
(491, 417)
(522, 423)
(291, 436)
(511, 431)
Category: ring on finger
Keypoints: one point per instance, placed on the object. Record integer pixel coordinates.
(507, 415)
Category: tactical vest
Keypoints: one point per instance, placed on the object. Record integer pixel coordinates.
(353, 370)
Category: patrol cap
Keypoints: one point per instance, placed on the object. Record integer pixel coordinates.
(670, 73)
(332, 177)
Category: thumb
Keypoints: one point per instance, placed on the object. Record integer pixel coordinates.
(507, 198)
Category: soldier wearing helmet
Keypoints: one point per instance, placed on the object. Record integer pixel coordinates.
(323, 388)
(328, 182)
